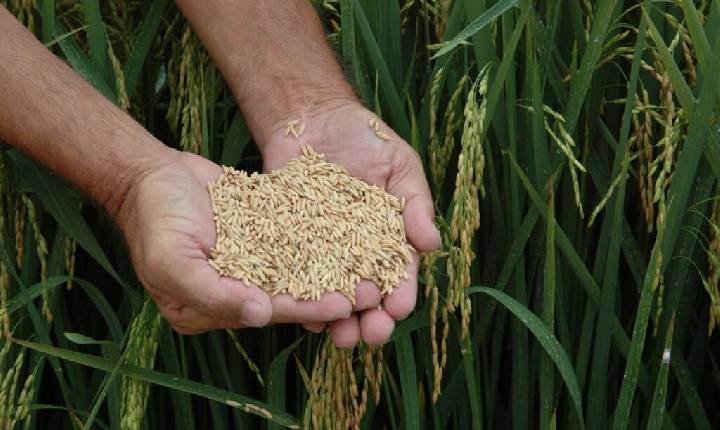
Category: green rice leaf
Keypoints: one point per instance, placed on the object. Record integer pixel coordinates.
(63, 205)
(546, 339)
(478, 24)
(142, 44)
(173, 382)
(277, 377)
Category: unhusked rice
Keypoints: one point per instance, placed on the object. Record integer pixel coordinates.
(308, 229)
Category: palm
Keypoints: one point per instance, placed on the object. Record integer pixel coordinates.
(170, 234)
(346, 137)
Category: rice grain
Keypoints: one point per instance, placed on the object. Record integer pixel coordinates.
(308, 229)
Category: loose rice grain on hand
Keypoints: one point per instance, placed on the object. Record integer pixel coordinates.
(308, 229)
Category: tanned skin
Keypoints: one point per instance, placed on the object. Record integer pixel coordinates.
(274, 56)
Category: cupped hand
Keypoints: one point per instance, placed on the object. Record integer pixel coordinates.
(168, 223)
(346, 133)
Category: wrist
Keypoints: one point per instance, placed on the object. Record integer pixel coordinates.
(268, 110)
(116, 191)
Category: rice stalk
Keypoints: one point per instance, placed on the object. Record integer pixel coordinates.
(466, 212)
(41, 249)
(441, 14)
(4, 276)
(23, 11)
(140, 351)
(69, 249)
(251, 364)
(19, 217)
(711, 282)
(4, 296)
(120, 25)
(335, 402)
(562, 139)
(190, 75)
(433, 140)
(122, 96)
(14, 405)
(432, 293)
(642, 141)
(440, 154)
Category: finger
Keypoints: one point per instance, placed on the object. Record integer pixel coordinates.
(345, 333)
(408, 181)
(376, 326)
(367, 295)
(315, 327)
(203, 288)
(401, 301)
(331, 306)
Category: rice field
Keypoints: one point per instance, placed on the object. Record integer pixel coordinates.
(573, 150)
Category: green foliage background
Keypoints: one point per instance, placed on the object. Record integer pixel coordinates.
(583, 293)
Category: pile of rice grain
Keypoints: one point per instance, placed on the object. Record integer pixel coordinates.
(307, 229)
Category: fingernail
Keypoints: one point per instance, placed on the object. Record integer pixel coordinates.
(252, 314)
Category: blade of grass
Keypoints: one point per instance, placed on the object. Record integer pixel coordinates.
(41, 332)
(351, 60)
(689, 392)
(678, 196)
(25, 296)
(541, 154)
(397, 114)
(697, 34)
(96, 36)
(657, 407)
(142, 44)
(70, 33)
(63, 206)
(582, 78)
(680, 86)
(546, 383)
(546, 339)
(498, 81)
(236, 140)
(105, 386)
(580, 270)
(182, 407)
(482, 42)
(277, 377)
(478, 24)
(472, 382)
(218, 419)
(408, 382)
(389, 39)
(173, 382)
(115, 330)
(514, 255)
(612, 227)
(81, 63)
(47, 8)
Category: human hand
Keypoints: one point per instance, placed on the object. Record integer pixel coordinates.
(168, 223)
(342, 132)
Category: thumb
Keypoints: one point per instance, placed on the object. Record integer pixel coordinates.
(227, 299)
(408, 180)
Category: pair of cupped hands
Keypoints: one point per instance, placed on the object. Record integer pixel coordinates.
(168, 223)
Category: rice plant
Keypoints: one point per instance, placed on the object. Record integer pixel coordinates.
(573, 150)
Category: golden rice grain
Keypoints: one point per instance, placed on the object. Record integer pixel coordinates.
(382, 136)
(308, 229)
